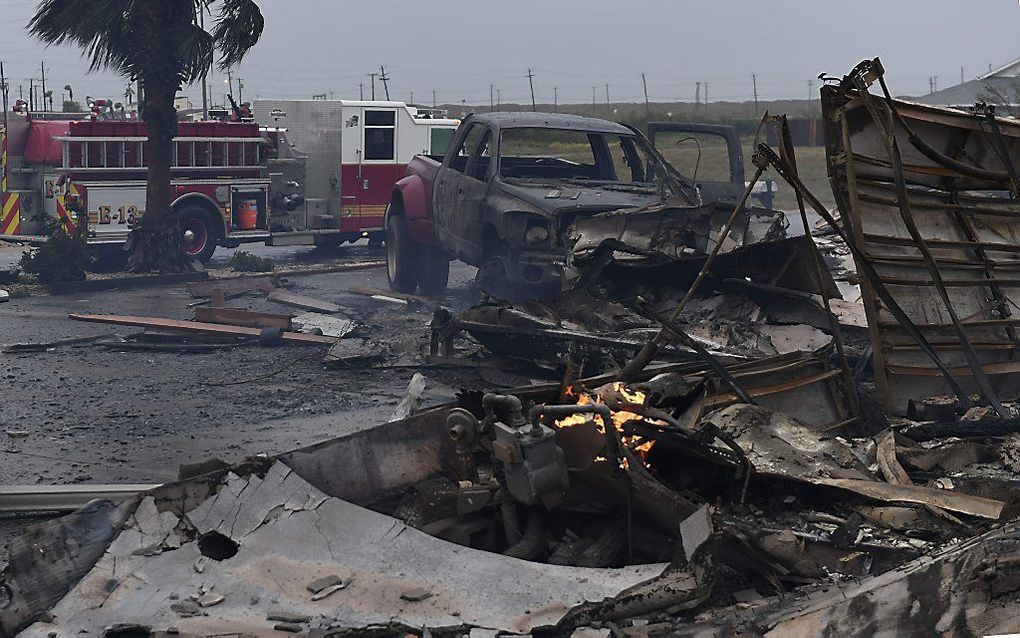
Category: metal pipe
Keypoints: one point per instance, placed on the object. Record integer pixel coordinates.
(63, 498)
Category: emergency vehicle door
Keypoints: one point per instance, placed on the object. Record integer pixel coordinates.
(378, 168)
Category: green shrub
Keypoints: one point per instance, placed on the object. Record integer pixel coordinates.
(64, 257)
(244, 261)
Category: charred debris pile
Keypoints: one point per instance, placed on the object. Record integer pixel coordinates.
(740, 430)
(765, 413)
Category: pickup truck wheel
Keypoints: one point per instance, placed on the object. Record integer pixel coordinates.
(198, 233)
(403, 257)
(435, 272)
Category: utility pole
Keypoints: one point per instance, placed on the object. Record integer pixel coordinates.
(499, 100)
(556, 99)
(230, 82)
(644, 82)
(697, 96)
(961, 75)
(531, 83)
(31, 94)
(594, 105)
(385, 81)
(412, 97)
(935, 80)
(240, 90)
(492, 98)
(433, 98)
(372, 76)
(609, 109)
(361, 91)
(42, 66)
(810, 90)
(754, 81)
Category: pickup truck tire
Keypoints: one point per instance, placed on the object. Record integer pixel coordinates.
(435, 272)
(403, 257)
(199, 232)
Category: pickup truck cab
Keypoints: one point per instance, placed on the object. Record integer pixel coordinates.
(506, 191)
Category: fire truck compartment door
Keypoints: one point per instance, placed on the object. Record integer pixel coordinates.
(112, 208)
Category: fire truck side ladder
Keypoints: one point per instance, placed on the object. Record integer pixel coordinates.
(197, 154)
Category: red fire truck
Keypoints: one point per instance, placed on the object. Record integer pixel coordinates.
(308, 172)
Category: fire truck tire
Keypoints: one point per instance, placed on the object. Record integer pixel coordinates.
(403, 257)
(199, 232)
(435, 272)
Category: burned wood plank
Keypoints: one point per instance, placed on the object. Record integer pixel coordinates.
(945, 499)
(887, 463)
(375, 292)
(50, 345)
(198, 327)
(303, 302)
(241, 317)
(231, 287)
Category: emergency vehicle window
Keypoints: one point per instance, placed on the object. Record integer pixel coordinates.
(440, 142)
(380, 118)
(380, 138)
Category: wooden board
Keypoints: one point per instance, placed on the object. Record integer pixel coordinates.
(198, 327)
(300, 301)
(241, 317)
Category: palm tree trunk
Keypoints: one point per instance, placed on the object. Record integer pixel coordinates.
(155, 244)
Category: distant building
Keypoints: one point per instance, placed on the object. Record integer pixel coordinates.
(999, 86)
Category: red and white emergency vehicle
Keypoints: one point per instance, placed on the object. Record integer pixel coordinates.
(304, 172)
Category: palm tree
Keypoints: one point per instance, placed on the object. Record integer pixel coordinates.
(162, 45)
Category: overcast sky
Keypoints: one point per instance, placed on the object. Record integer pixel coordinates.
(459, 47)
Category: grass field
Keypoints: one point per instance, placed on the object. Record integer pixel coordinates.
(713, 165)
(706, 159)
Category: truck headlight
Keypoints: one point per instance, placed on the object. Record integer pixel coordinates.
(536, 234)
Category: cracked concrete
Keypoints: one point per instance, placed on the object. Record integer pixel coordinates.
(378, 557)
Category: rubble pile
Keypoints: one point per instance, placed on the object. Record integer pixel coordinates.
(727, 431)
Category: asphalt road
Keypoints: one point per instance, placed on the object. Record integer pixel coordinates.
(86, 414)
(10, 254)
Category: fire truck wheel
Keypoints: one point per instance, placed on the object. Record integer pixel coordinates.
(403, 257)
(435, 272)
(198, 233)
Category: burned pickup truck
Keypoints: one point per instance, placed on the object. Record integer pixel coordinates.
(507, 191)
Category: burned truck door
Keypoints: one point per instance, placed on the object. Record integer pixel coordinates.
(709, 154)
(461, 186)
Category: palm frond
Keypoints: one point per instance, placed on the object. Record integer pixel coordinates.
(237, 30)
(95, 26)
(152, 38)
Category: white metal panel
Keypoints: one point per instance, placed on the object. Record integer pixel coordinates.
(316, 128)
(112, 207)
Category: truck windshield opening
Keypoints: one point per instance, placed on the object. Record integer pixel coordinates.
(547, 154)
